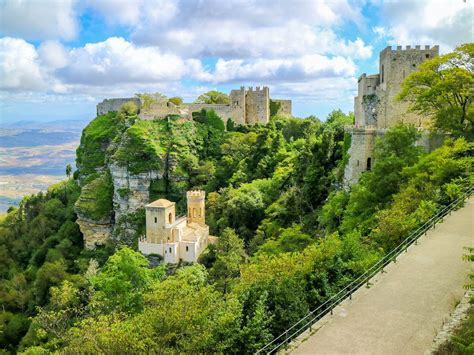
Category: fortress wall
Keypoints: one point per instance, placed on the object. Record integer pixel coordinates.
(362, 147)
(365, 104)
(113, 105)
(257, 105)
(224, 111)
(285, 106)
(237, 102)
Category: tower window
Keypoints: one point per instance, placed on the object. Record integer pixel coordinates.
(170, 217)
(369, 164)
(194, 212)
(156, 220)
(357, 163)
(170, 250)
(427, 56)
(382, 73)
(413, 65)
(187, 248)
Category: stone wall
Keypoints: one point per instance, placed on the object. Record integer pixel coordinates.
(285, 106)
(111, 105)
(360, 151)
(245, 107)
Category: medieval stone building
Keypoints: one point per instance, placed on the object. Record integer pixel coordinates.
(176, 239)
(376, 108)
(246, 107)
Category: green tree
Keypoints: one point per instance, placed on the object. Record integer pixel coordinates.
(176, 100)
(68, 170)
(213, 97)
(444, 88)
(129, 109)
(255, 332)
(230, 255)
(121, 282)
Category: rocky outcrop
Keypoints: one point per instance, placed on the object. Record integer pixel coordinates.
(94, 232)
(131, 192)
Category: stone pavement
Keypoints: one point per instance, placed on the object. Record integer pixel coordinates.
(404, 309)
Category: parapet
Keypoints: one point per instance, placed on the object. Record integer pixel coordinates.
(409, 47)
(196, 195)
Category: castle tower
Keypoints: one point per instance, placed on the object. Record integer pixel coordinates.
(376, 108)
(257, 105)
(394, 66)
(159, 214)
(196, 207)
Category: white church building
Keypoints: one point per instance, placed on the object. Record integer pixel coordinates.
(181, 239)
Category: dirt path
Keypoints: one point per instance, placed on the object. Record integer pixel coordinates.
(403, 310)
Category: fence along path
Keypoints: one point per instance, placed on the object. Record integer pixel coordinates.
(404, 308)
(312, 320)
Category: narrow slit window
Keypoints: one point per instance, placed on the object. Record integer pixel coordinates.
(156, 220)
(369, 164)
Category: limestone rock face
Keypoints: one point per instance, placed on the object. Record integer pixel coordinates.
(94, 232)
(131, 192)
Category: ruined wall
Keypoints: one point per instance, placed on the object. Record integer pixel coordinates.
(245, 107)
(257, 105)
(111, 105)
(366, 102)
(285, 106)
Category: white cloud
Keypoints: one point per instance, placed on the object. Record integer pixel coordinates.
(53, 55)
(116, 61)
(250, 29)
(301, 69)
(38, 19)
(19, 66)
(444, 22)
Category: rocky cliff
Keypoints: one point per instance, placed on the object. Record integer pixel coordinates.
(124, 163)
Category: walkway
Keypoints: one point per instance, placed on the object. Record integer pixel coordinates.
(403, 310)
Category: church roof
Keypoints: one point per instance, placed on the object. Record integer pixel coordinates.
(161, 203)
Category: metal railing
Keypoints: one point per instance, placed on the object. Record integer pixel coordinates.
(313, 316)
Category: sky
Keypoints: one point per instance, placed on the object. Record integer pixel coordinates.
(59, 58)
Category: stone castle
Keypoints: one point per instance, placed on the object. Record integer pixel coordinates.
(377, 110)
(176, 239)
(246, 107)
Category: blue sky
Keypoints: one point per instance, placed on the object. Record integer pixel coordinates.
(59, 58)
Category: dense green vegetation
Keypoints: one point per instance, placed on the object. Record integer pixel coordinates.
(290, 235)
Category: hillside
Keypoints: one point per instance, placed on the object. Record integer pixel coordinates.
(290, 234)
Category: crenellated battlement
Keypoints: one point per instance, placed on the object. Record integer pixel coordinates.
(195, 195)
(410, 48)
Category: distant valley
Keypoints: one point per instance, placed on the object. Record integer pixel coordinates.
(33, 155)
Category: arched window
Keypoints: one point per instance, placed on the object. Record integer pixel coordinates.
(170, 217)
(369, 164)
(194, 212)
